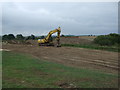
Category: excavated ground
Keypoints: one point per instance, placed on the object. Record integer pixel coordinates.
(76, 57)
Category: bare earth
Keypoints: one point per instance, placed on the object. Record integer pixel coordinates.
(76, 57)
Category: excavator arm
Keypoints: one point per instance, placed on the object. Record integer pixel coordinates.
(53, 31)
(46, 40)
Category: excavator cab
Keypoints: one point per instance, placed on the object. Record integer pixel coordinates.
(48, 40)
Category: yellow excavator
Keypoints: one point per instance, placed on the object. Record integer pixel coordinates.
(47, 41)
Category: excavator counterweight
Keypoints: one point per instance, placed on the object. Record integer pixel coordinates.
(47, 40)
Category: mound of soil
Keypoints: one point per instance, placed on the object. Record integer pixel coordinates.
(64, 40)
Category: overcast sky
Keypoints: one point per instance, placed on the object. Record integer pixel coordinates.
(78, 18)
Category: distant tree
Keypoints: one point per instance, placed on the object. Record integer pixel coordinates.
(62, 35)
(11, 37)
(37, 37)
(5, 37)
(114, 34)
(110, 39)
(32, 37)
(0, 38)
(42, 37)
(115, 38)
(27, 38)
(19, 37)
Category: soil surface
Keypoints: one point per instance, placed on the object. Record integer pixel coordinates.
(76, 57)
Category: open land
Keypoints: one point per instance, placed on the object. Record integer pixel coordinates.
(89, 65)
(76, 57)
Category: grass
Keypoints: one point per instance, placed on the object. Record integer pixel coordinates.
(92, 46)
(24, 71)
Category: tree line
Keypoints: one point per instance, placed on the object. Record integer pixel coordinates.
(18, 37)
(110, 39)
(21, 37)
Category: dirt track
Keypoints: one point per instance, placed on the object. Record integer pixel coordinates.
(76, 57)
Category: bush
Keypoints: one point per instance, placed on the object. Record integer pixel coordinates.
(8, 37)
(5, 37)
(42, 37)
(19, 37)
(32, 37)
(62, 35)
(110, 39)
(11, 36)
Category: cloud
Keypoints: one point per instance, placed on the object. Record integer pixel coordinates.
(74, 18)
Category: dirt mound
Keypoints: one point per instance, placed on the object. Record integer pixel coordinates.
(64, 40)
(77, 40)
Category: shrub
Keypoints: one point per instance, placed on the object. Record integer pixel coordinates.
(62, 35)
(11, 36)
(19, 37)
(110, 39)
(32, 37)
(8, 37)
(5, 37)
(42, 37)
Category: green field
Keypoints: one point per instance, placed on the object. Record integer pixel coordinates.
(24, 71)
